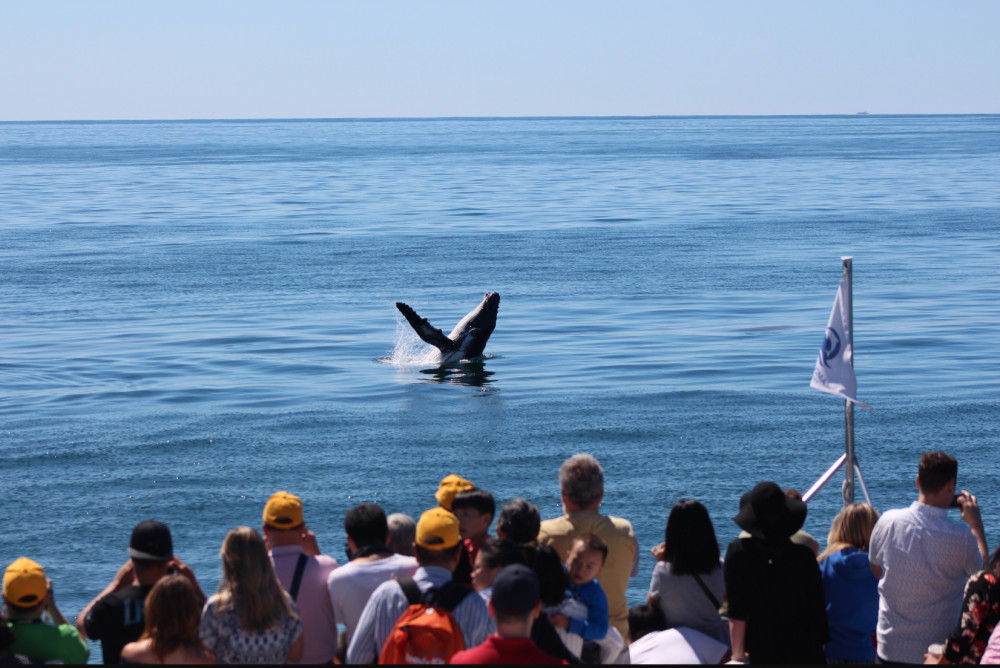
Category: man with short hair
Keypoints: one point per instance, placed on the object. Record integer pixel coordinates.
(515, 605)
(115, 615)
(372, 563)
(581, 480)
(438, 547)
(27, 593)
(302, 571)
(922, 560)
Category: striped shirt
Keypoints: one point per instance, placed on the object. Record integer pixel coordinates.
(388, 603)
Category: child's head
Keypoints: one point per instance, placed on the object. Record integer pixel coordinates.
(474, 509)
(586, 558)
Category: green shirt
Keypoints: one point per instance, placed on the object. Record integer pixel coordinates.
(44, 642)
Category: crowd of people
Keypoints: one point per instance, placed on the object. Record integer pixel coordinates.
(909, 586)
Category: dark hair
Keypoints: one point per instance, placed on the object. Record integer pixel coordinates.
(519, 521)
(478, 499)
(500, 552)
(643, 619)
(26, 610)
(936, 470)
(553, 581)
(592, 542)
(993, 563)
(691, 546)
(366, 525)
(436, 557)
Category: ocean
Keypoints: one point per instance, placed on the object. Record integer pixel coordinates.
(199, 313)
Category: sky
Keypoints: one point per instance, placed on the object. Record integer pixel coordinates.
(203, 59)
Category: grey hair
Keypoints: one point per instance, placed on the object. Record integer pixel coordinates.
(581, 479)
(402, 533)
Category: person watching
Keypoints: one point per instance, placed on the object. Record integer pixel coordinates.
(27, 595)
(115, 616)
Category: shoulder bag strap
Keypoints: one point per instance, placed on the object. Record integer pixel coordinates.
(708, 592)
(300, 568)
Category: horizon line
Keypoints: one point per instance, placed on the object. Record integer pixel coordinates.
(250, 119)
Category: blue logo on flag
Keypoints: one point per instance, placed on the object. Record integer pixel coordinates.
(831, 346)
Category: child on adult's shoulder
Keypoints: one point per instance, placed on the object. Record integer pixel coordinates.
(583, 617)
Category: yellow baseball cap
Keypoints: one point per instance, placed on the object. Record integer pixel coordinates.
(24, 583)
(449, 487)
(283, 511)
(438, 530)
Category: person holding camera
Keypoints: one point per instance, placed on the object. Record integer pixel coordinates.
(115, 616)
(27, 595)
(923, 560)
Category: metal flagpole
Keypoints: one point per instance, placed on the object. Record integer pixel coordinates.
(848, 488)
(852, 470)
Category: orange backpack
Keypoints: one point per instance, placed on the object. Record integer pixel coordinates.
(426, 633)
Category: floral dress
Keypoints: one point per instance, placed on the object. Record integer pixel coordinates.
(980, 613)
(222, 634)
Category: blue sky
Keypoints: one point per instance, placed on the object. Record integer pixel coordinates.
(100, 59)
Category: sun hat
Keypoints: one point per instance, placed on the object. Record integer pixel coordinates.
(515, 590)
(24, 583)
(449, 487)
(151, 540)
(437, 529)
(283, 511)
(765, 512)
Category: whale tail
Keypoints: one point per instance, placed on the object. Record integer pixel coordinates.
(425, 330)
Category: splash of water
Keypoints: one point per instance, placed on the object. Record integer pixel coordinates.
(409, 350)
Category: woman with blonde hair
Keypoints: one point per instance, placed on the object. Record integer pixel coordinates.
(850, 587)
(251, 619)
(172, 611)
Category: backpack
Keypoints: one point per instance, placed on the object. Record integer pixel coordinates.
(426, 632)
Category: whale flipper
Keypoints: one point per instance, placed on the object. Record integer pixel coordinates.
(425, 330)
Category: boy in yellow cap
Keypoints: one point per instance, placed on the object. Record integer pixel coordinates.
(438, 547)
(27, 593)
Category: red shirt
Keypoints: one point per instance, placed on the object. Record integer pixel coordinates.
(497, 650)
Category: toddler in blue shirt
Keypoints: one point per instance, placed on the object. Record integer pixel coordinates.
(585, 611)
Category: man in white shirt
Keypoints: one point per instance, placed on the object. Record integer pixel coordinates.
(922, 560)
(371, 564)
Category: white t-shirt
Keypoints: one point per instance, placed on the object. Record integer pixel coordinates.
(351, 585)
(676, 646)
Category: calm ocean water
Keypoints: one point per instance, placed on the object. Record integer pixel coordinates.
(197, 314)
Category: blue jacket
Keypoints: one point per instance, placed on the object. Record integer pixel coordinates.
(851, 604)
(595, 627)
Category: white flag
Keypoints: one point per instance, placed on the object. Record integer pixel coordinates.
(834, 371)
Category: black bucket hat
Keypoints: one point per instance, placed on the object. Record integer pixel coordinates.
(765, 512)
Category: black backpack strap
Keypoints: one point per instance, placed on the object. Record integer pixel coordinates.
(411, 590)
(300, 568)
(451, 594)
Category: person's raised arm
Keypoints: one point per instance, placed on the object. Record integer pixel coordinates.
(972, 517)
(125, 577)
